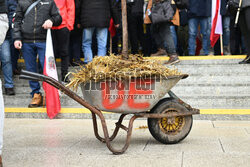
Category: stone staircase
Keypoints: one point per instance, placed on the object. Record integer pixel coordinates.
(212, 84)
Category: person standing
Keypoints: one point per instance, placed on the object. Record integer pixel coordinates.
(3, 29)
(161, 30)
(135, 25)
(198, 12)
(76, 38)
(30, 29)
(244, 22)
(61, 34)
(5, 52)
(95, 16)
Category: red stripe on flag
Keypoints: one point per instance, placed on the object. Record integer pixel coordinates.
(53, 103)
(214, 37)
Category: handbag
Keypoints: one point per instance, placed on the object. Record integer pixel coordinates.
(162, 12)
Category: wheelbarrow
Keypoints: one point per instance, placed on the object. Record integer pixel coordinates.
(169, 118)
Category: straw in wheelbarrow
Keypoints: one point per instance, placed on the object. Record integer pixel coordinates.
(115, 68)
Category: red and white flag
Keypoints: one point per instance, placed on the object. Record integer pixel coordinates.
(216, 30)
(53, 103)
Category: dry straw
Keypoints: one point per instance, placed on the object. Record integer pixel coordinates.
(115, 68)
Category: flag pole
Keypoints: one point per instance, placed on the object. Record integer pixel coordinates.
(221, 45)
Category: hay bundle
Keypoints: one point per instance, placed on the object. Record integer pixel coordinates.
(115, 68)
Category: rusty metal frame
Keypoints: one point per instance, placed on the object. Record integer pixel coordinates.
(106, 139)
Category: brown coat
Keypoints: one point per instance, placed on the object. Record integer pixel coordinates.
(147, 19)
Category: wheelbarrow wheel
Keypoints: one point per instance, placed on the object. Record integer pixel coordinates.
(170, 130)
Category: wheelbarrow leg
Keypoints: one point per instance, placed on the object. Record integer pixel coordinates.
(106, 135)
(118, 126)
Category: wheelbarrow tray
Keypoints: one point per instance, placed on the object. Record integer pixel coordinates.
(129, 96)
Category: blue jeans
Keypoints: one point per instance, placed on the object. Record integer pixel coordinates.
(30, 52)
(5, 58)
(226, 30)
(174, 35)
(101, 35)
(193, 24)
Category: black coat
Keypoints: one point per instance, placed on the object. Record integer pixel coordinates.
(97, 13)
(29, 28)
(199, 8)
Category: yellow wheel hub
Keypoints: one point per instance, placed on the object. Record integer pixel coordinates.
(171, 125)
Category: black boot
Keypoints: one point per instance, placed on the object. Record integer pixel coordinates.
(246, 60)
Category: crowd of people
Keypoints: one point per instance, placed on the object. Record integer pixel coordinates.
(80, 30)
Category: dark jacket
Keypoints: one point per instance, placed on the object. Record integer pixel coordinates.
(137, 7)
(199, 8)
(3, 7)
(11, 8)
(223, 8)
(97, 13)
(29, 28)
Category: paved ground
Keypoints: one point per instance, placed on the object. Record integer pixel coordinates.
(66, 143)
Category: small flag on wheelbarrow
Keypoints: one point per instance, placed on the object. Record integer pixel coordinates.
(53, 104)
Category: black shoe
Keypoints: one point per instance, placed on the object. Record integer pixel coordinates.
(9, 91)
(245, 61)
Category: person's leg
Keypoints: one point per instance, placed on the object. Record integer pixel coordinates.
(166, 34)
(6, 64)
(86, 44)
(62, 37)
(41, 48)
(168, 38)
(174, 35)
(226, 34)
(193, 29)
(29, 55)
(148, 41)
(226, 30)
(1, 119)
(203, 24)
(102, 36)
(209, 26)
(133, 34)
(140, 31)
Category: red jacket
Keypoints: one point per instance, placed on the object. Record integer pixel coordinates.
(67, 11)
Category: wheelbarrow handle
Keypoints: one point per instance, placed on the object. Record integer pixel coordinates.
(28, 78)
(38, 77)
